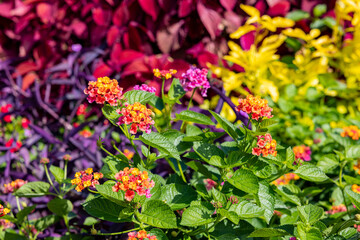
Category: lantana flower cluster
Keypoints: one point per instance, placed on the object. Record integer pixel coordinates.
(141, 235)
(138, 116)
(3, 210)
(265, 146)
(145, 88)
(17, 146)
(104, 89)
(285, 179)
(87, 178)
(302, 152)
(195, 78)
(337, 209)
(255, 107)
(357, 167)
(352, 132)
(5, 224)
(133, 180)
(13, 186)
(209, 184)
(165, 74)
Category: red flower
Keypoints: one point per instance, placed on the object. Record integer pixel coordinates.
(10, 143)
(25, 122)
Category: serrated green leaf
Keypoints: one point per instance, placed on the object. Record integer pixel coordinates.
(352, 152)
(156, 102)
(290, 156)
(268, 232)
(310, 213)
(160, 235)
(246, 209)
(60, 207)
(112, 165)
(199, 167)
(195, 117)
(210, 153)
(261, 168)
(341, 140)
(178, 196)
(196, 216)
(106, 191)
(58, 173)
(266, 123)
(160, 142)
(24, 213)
(311, 173)
(104, 209)
(238, 158)
(226, 125)
(288, 195)
(308, 233)
(43, 223)
(354, 197)
(134, 96)
(158, 214)
(33, 189)
(176, 91)
(245, 180)
(232, 216)
(267, 199)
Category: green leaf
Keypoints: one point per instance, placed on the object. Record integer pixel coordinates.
(226, 125)
(351, 180)
(238, 158)
(160, 142)
(310, 213)
(178, 196)
(328, 162)
(261, 168)
(58, 173)
(158, 214)
(14, 236)
(290, 156)
(354, 197)
(43, 223)
(160, 235)
(24, 213)
(196, 216)
(111, 114)
(104, 209)
(112, 165)
(199, 167)
(33, 189)
(288, 194)
(195, 117)
(232, 216)
(319, 10)
(245, 180)
(176, 91)
(311, 173)
(134, 96)
(268, 232)
(210, 153)
(156, 102)
(89, 221)
(246, 209)
(308, 233)
(352, 152)
(341, 140)
(285, 105)
(297, 15)
(267, 199)
(60, 207)
(106, 191)
(266, 123)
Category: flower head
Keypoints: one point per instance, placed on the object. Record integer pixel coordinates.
(67, 157)
(17, 145)
(337, 209)
(357, 167)
(5, 224)
(13, 186)
(141, 235)
(128, 154)
(5, 109)
(104, 89)
(195, 78)
(85, 133)
(165, 74)
(285, 179)
(255, 107)
(44, 160)
(81, 110)
(209, 184)
(133, 181)
(265, 146)
(355, 188)
(87, 178)
(302, 152)
(138, 116)
(3, 210)
(145, 88)
(25, 122)
(352, 132)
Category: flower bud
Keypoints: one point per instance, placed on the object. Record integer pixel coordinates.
(93, 231)
(44, 160)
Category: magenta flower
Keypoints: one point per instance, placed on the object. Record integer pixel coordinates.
(195, 78)
(145, 88)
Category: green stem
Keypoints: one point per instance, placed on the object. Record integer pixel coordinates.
(96, 192)
(66, 220)
(18, 203)
(133, 145)
(342, 187)
(49, 179)
(180, 170)
(118, 233)
(162, 89)
(188, 107)
(65, 174)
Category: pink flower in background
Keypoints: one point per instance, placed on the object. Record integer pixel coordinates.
(302, 152)
(195, 78)
(209, 184)
(145, 88)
